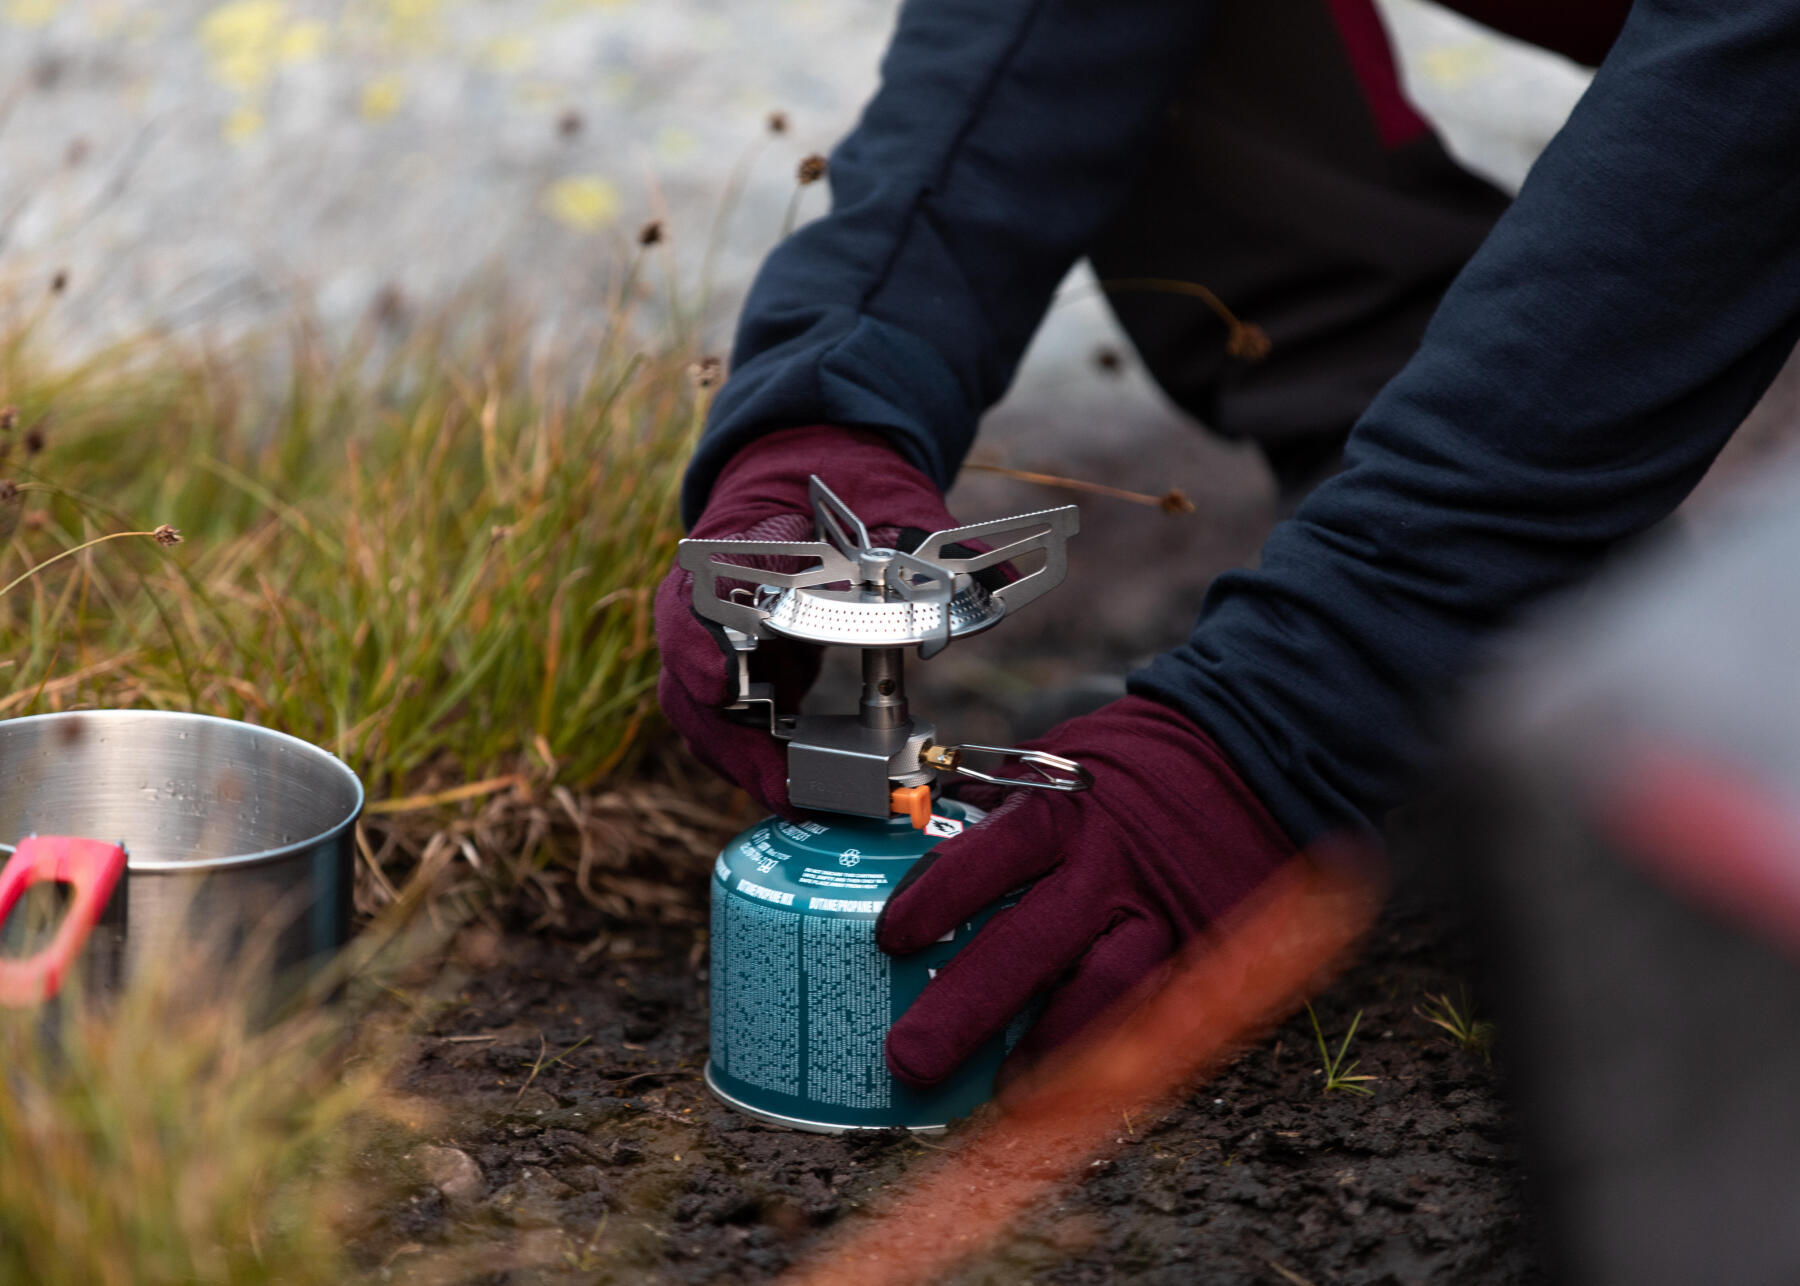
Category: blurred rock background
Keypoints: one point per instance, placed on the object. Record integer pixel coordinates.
(198, 166)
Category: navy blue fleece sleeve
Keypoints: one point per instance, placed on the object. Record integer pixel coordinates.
(1004, 134)
(1579, 377)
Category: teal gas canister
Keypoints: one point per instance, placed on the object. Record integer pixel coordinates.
(801, 996)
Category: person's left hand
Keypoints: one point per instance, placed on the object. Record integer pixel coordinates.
(763, 493)
(1120, 876)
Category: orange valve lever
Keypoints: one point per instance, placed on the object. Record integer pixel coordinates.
(912, 802)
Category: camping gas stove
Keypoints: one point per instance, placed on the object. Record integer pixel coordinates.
(801, 996)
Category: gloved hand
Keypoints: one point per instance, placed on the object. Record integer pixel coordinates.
(762, 495)
(1167, 840)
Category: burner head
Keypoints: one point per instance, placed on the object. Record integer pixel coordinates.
(845, 590)
(866, 618)
(849, 592)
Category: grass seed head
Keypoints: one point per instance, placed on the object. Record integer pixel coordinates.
(812, 168)
(389, 305)
(707, 372)
(60, 281)
(1248, 342)
(9, 491)
(166, 536)
(778, 122)
(651, 233)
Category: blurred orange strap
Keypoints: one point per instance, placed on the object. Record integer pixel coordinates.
(1276, 949)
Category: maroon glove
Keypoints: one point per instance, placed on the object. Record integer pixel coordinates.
(762, 495)
(1167, 840)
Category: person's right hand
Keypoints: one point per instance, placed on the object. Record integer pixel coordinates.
(762, 495)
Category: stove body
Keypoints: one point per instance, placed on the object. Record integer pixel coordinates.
(802, 998)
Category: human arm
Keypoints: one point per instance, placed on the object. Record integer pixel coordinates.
(1576, 382)
(1574, 385)
(1003, 137)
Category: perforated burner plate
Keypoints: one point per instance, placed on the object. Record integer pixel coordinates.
(855, 618)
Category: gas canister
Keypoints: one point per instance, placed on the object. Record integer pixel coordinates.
(802, 998)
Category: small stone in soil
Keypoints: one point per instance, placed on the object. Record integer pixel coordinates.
(533, 1200)
(451, 1171)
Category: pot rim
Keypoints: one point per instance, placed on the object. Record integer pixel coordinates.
(296, 847)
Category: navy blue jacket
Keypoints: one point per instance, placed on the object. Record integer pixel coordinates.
(1580, 375)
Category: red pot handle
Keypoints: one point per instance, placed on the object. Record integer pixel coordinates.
(92, 867)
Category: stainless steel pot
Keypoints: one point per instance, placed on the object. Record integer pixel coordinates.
(234, 838)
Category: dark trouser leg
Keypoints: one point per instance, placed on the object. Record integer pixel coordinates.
(1293, 183)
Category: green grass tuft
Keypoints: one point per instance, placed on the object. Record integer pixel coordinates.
(1338, 1074)
(170, 1140)
(437, 563)
(1457, 1019)
(436, 560)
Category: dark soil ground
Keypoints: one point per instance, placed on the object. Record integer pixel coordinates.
(576, 1143)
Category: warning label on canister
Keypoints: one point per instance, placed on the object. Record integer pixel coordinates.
(756, 1006)
(848, 1004)
(801, 995)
